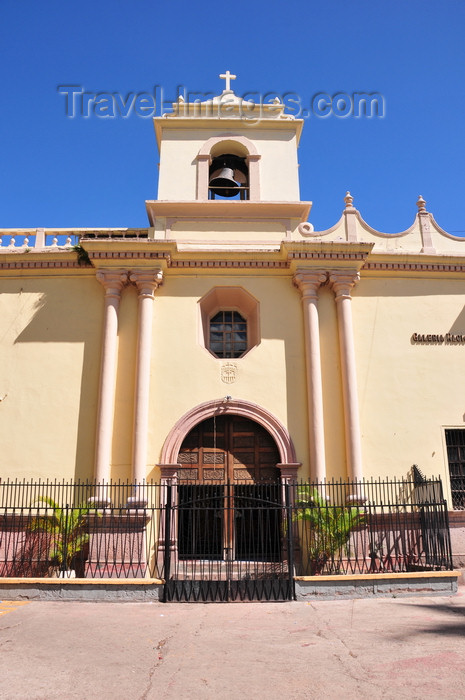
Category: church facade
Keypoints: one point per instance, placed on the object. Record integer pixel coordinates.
(228, 340)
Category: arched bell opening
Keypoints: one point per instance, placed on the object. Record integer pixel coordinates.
(228, 177)
(233, 159)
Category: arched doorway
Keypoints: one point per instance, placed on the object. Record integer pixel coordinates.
(229, 495)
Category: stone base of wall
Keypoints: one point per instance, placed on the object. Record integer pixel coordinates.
(100, 590)
(426, 583)
(457, 537)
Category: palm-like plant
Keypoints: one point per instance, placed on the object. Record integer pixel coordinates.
(65, 530)
(329, 526)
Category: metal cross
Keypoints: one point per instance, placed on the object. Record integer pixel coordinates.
(228, 77)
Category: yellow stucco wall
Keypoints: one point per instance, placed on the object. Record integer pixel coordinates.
(49, 359)
(51, 331)
(185, 374)
(408, 392)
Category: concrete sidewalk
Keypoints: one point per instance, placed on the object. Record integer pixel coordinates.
(364, 648)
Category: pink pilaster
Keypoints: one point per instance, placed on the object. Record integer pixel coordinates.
(342, 282)
(203, 165)
(254, 177)
(113, 282)
(308, 282)
(146, 281)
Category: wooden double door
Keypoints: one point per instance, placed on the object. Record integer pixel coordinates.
(229, 495)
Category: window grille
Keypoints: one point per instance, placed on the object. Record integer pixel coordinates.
(455, 441)
(228, 334)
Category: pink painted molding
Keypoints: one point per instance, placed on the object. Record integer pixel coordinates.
(414, 267)
(230, 263)
(330, 255)
(36, 265)
(132, 254)
(400, 266)
(252, 411)
(227, 297)
(211, 146)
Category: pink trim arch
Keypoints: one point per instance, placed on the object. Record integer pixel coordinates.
(252, 411)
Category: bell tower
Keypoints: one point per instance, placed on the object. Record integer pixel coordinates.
(227, 158)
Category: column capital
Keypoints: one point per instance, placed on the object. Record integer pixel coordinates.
(112, 281)
(169, 473)
(308, 281)
(289, 472)
(146, 281)
(342, 281)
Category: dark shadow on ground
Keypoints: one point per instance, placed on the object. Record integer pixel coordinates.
(446, 629)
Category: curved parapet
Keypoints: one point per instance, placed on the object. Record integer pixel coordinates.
(423, 236)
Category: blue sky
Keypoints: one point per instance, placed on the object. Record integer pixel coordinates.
(63, 172)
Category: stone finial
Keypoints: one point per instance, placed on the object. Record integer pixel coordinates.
(421, 204)
(348, 199)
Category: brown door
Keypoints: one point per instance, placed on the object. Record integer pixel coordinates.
(227, 482)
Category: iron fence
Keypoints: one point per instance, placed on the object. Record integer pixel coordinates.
(201, 535)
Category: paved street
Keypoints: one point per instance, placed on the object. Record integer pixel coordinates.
(384, 648)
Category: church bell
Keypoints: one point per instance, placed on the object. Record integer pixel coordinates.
(228, 174)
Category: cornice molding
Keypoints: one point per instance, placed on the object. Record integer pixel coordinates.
(219, 209)
(289, 256)
(414, 266)
(40, 265)
(128, 255)
(331, 255)
(236, 264)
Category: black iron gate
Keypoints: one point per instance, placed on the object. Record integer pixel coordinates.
(434, 520)
(228, 542)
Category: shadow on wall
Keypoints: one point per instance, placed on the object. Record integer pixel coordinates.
(459, 324)
(69, 312)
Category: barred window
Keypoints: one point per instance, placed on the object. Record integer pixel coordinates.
(455, 442)
(228, 334)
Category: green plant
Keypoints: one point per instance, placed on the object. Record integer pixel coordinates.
(82, 255)
(329, 526)
(64, 528)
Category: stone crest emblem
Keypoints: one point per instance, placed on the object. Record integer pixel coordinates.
(228, 372)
